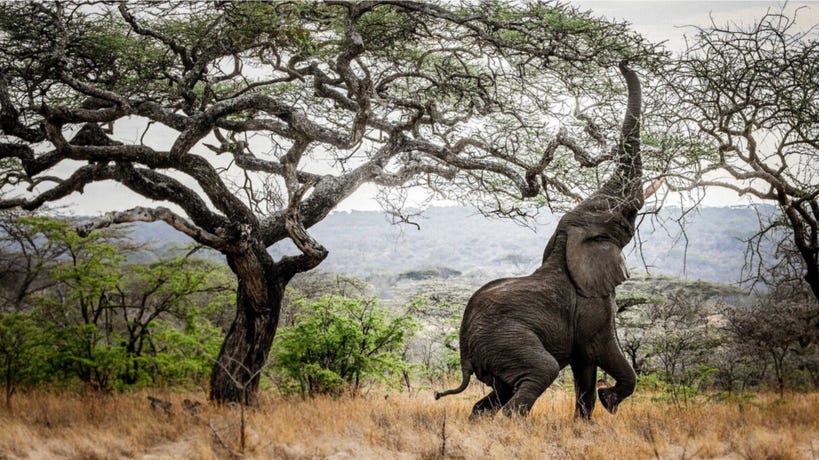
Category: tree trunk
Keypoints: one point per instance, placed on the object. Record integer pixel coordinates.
(811, 272)
(804, 237)
(244, 353)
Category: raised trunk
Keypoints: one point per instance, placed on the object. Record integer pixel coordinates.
(245, 350)
(630, 131)
(625, 185)
(622, 192)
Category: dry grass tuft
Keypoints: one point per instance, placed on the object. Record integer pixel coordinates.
(59, 425)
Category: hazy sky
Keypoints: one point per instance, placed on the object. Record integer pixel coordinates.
(670, 20)
(656, 20)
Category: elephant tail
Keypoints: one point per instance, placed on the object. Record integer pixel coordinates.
(467, 374)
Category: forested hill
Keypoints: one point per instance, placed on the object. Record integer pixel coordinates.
(459, 241)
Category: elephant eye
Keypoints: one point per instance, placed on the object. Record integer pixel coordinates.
(601, 238)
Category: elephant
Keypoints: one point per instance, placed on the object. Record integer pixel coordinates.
(518, 333)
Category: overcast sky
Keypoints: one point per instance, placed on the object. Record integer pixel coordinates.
(659, 21)
(669, 21)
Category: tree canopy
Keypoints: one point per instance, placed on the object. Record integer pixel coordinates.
(393, 93)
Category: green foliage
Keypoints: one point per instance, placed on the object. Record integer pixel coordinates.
(339, 343)
(528, 27)
(734, 397)
(243, 25)
(661, 388)
(185, 356)
(82, 352)
(83, 279)
(99, 44)
(24, 350)
(389, 31)
(114, 325)
(652, 382)
(180, 285)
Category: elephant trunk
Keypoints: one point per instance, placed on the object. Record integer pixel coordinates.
(623, 190)
(631, 164)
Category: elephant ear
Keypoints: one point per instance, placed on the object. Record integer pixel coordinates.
(596, 264)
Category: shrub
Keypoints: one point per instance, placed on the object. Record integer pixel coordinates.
(24, 350)
(185, 356)
(338, 343)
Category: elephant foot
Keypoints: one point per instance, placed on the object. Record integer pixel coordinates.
(609, 399)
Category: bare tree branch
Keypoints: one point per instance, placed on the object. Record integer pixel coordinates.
(750, 96)
(142, 214)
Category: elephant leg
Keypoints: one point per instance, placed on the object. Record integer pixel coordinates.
(615, 364)
(585, 382)
(491, 403)
(534, 369)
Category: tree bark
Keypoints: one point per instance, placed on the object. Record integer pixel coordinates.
(812, 274)
(245, 350)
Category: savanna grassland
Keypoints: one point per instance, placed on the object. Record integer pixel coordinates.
(397, 425)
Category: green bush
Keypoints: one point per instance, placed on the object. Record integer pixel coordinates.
(185, 356)
(85, 352)
(25, 348)
(339, 344)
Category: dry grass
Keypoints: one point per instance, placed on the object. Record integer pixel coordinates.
(48, 425)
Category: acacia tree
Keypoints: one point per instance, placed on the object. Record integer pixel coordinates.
(743, 103)
(279, 111)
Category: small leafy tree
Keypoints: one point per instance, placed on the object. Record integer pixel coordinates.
(22, 352)
(311, 286)
(78, 302)
(25, 259)
(338, 343)
(115, 323)
(176, 291)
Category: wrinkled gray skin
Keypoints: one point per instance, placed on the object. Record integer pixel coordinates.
(518, 333)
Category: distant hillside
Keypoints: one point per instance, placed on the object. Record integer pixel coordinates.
(457, 240)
